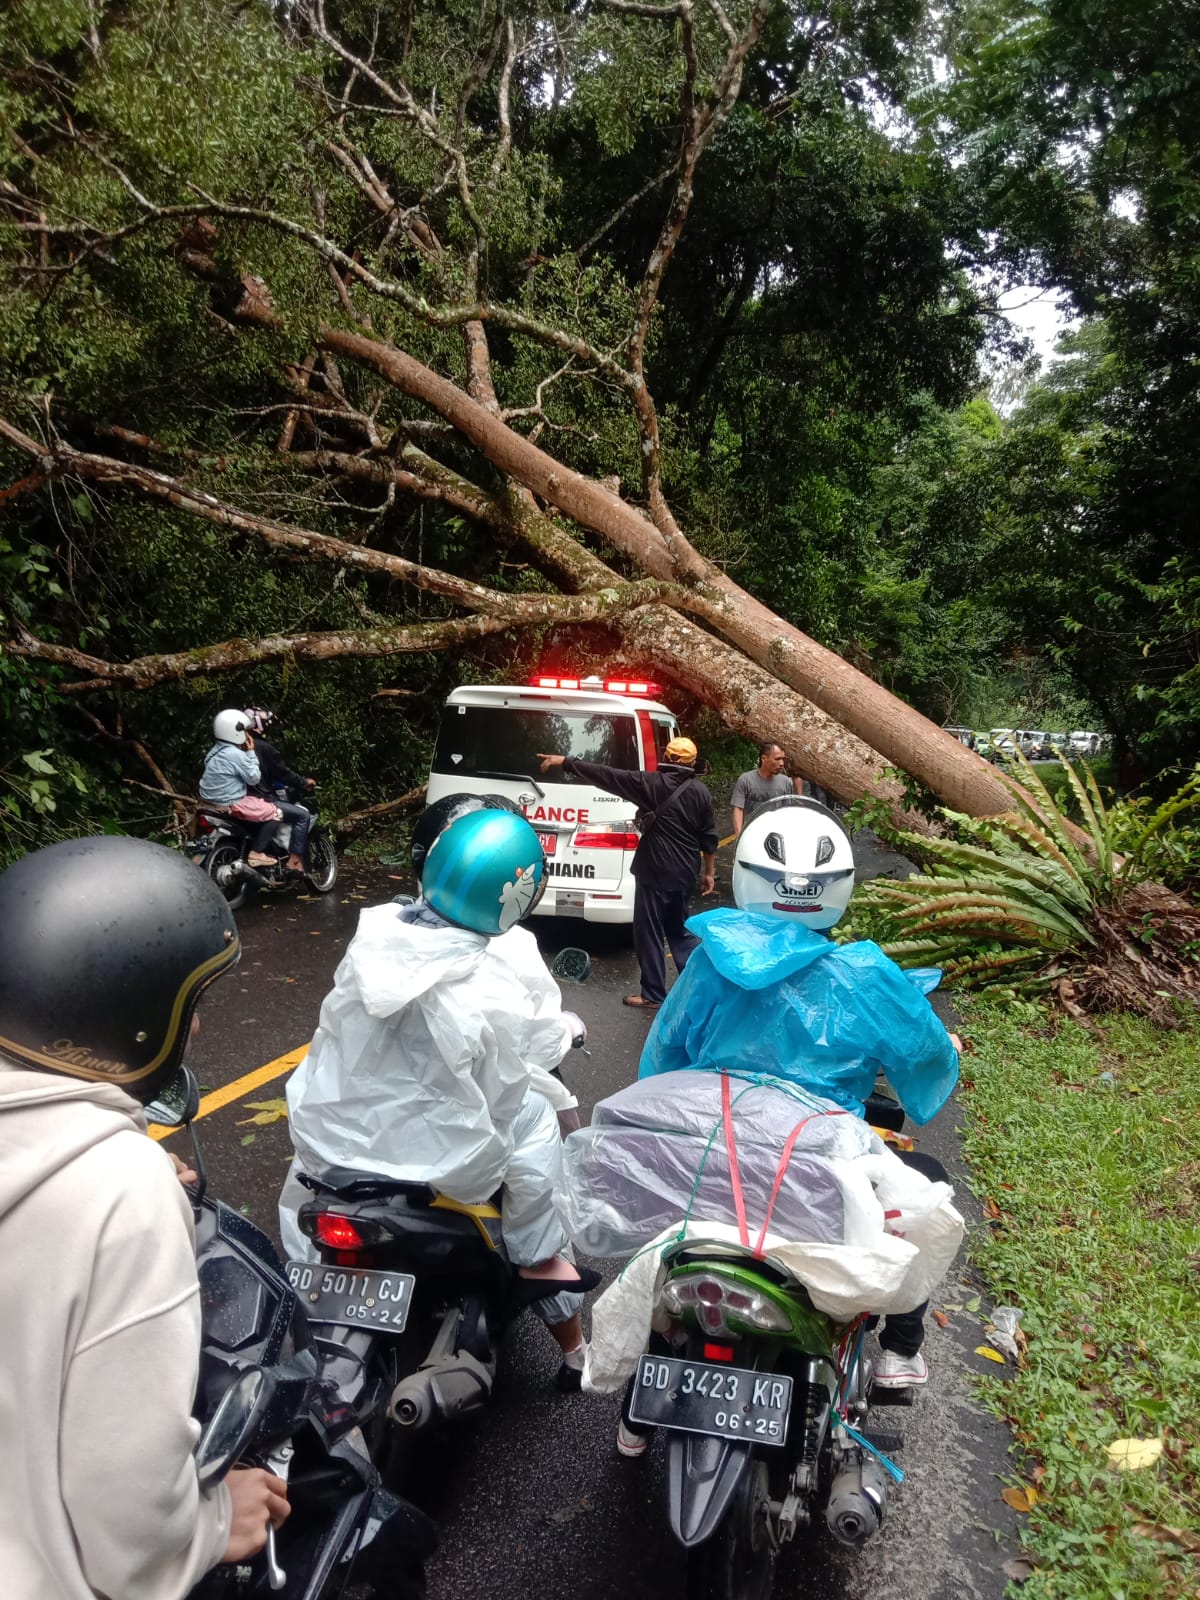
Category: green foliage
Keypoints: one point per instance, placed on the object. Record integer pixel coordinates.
(1088, 1144)
(1020, 900)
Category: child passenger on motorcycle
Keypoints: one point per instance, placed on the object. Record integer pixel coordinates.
(433, 1060)
(767, 991)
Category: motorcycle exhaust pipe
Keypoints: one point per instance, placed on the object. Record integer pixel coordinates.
(442, 1391)
(857, 1499)
(251, 874)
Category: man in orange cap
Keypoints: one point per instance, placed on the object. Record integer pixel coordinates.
(675, 812)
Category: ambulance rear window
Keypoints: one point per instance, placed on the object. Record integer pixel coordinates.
(475, 740)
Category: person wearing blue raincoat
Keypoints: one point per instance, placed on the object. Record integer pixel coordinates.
(766, 995)
(767, 991)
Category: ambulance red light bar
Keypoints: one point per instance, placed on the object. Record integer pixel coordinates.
(633, 686)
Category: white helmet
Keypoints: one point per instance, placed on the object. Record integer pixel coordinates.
(794, 859)
(230, 727)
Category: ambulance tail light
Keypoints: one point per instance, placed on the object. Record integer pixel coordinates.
(607, 836)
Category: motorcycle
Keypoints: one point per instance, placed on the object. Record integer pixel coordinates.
(764, 1401)
(411, 1297)
(265, 1400)
(222, 844)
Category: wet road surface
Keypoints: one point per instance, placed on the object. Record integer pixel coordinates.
(532, 1497)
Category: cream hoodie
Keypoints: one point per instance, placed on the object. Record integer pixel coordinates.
(99, 1352)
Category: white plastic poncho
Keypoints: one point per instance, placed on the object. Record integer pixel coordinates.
(432, 1063)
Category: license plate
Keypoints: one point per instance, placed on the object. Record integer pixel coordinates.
(352, 1298)
(569, 905)
(723, 1402)
(549, 842)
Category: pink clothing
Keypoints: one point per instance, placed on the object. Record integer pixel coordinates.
(253, 808)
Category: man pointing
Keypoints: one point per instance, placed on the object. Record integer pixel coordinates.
(675, 814)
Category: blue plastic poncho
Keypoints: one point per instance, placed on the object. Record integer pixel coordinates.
(761, 995)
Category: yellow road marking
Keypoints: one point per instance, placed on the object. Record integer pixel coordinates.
(724, 842)
(241, 1087)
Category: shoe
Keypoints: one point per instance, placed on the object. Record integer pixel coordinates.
(568, 1379)
(640, 1003)
(630, 1443)
(526, 1290)
(256, 858)
(894, 1371)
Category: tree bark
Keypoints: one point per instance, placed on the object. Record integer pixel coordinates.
(959, 777)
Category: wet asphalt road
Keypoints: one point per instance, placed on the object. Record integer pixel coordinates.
(532, 1497)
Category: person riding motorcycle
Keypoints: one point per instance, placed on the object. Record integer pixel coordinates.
(105, 947)
(231, 772)
(433, 1057)
(767, 991)
(278, 781)
(518, 944)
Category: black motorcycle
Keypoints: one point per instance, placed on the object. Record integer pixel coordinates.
(222, 847)
(265, 1399)
(411, 1297)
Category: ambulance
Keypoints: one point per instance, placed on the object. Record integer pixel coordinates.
(488, 743)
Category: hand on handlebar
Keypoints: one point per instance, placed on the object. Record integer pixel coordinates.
(577, 1029)
(259, 1501)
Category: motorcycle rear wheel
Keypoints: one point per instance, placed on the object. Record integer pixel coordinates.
(738, 1562)
(322, 871)
(222, 860)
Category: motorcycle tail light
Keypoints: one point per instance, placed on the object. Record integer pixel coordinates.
(721, 1304)
(203, 825)
(338, 1233)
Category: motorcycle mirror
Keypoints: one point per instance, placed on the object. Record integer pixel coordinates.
(176, 1102)
(571, 965)
(232, 1426)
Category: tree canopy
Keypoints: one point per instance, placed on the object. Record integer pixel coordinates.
(350, 346)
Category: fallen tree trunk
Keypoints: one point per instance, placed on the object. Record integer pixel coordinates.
(959, 777)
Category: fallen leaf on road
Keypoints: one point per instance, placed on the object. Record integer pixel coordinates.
(942, 1320)
(973, 1305)
(1130, 1455)
(266, 1112)
(314, 933)
(1020, 1499)
(986, 1351)
(1183, 1538)
(249, 1138)
(991, 1210)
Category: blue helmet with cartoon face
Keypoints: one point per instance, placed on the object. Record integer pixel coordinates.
(486, 872)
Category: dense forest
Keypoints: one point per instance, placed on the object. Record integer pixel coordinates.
(351, 348)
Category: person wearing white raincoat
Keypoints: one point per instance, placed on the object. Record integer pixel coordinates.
(434, 1058)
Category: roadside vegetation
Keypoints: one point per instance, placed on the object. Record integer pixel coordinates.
(1030, 902)
(1085, 1149)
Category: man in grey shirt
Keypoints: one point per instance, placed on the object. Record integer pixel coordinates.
(767, 782)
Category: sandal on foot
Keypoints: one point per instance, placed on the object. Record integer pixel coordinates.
(527, 1290)
(256, 858)
(640, 1003)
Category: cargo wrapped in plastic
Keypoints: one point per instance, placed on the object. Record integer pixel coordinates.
(757, 1163)
(656, 1152)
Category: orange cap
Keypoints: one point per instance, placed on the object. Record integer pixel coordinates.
(681, 751)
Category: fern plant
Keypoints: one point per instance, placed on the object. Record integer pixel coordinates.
(1031, 902)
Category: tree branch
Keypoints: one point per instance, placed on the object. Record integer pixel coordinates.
(525, 611)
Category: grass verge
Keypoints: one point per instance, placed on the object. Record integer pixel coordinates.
(1088, 1150)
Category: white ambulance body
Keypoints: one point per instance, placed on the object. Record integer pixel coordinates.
(489, 741)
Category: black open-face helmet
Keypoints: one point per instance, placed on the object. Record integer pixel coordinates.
(435, 819)
(105, 947)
